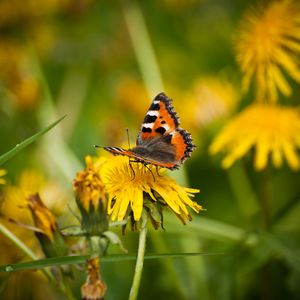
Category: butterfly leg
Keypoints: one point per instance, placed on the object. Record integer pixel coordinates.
(145, 165)
(156, 168)
(131, 168)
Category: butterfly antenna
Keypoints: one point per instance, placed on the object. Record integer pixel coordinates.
(128, 140)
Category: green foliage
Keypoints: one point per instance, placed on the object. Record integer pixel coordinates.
(82, 59)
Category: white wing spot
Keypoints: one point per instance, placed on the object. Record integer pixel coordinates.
(152, 113)
(148, 125)
(166, 126)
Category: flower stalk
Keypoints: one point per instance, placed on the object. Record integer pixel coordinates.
(140, 259)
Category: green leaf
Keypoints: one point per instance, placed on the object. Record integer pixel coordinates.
(69, 260)
(8, 155)
(43, 263)
(114, 239)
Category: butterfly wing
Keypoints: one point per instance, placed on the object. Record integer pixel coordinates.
(167, 145)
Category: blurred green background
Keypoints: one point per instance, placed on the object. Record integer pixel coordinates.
(101, 63)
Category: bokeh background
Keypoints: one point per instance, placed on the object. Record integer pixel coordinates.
(101, 63)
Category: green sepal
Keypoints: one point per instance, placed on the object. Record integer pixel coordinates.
(114, 239)
(94, 221)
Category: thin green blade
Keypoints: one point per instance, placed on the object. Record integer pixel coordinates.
(6, 156)
(69, 260)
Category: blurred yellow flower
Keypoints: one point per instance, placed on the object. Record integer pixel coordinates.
(16, 75)
(269, 129)
(128, 185)
(34, 21)
(2, 173)
(28, 284)
(31, 181)
(14, 205)
(13, 11)
(267, 45)
(15, 196)
(215, 97)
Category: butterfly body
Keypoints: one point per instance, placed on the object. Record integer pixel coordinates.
(160, 141)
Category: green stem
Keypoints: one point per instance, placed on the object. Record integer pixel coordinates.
(94, 245)
(265, 199)
(265, 215)
(139, 262)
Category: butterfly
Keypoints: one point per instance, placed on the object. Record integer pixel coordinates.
(160, 142)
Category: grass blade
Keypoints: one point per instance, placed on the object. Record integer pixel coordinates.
(8, 155)
(69, 260)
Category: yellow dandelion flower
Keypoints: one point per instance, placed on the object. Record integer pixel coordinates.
(93, 288)
(2, 173)
(267, 45)
(270, 130)
(88, 185)
(91, 197)
(128, 185)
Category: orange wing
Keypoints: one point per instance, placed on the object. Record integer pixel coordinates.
(160, 118)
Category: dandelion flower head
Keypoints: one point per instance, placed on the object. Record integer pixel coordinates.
(128, 184)
(89, 186)
(267, 45)
(270, 130)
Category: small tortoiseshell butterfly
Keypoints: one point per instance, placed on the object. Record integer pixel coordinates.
(160, 141)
